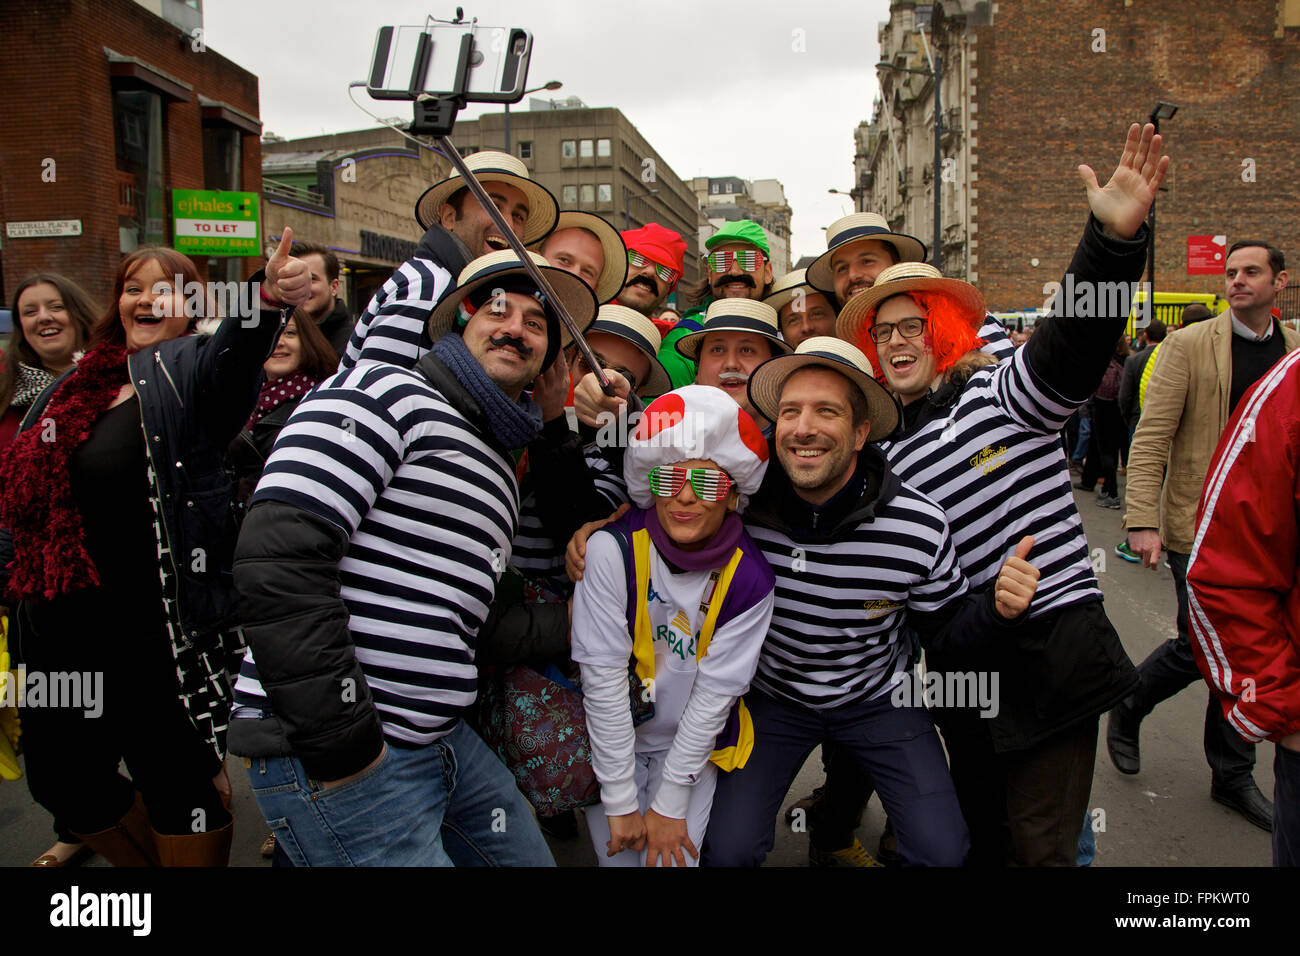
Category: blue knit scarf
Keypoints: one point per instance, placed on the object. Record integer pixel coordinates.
(514, 423)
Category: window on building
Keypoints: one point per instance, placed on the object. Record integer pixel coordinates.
(585, 149)
(588, 194)
(137, 124)
(569, 149)
(728, 189)
(222, 157)
(715, 188)
(569, 195)
(526, 150)
(605, 193)
(602, 148)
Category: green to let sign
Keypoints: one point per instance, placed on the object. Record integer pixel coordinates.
(214, 223)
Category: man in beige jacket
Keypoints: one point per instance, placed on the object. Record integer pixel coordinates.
(1199, 376)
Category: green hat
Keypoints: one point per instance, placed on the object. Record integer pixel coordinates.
(742, 230)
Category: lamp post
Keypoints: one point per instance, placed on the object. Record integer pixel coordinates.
(627, 204)
(1163, 110)
(852, 195)
(936, 75)
(553, 85)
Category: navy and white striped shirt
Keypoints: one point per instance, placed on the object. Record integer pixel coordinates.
(837, 635)
(994, 462)
(430, 510)
(996, 340)
(538, 556)
(392, 329)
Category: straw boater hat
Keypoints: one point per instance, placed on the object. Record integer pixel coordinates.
(631, 325)
(734, 315)
(861, 225)
(496, 266)
(695, 422)
(860, 310)
(493, 167)
(610, 281)
(787, 287)
(883, 410)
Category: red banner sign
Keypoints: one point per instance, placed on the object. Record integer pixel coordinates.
(1205, 255)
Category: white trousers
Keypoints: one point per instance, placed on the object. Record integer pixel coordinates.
(649, 768)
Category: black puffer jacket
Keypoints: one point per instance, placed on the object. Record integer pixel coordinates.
(195, 395)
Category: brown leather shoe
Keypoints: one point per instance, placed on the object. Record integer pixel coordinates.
(129, 842)
(196, 849)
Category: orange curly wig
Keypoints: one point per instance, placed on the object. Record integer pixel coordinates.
(950, 331)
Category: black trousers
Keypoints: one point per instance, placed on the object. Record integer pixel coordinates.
(1108, 432)
(1170, 668)
(129, 710)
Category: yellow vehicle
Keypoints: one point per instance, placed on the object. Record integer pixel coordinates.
(1169, 307)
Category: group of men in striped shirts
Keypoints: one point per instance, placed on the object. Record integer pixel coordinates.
(391, 508)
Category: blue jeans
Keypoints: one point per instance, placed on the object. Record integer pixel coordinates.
(897, 746)
(1081, 444)
(451, 803)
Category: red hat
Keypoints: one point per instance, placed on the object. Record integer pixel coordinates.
(658, 244)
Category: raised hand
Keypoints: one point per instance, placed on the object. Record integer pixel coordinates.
(1122, 204)
(288, 280)
(1017, 582)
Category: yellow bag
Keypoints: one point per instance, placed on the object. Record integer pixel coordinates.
(10, 730)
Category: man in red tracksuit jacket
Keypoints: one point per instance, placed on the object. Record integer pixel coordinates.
(1244, 576)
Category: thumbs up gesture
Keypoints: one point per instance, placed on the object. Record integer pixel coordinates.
(1016, 583)
(288, 280)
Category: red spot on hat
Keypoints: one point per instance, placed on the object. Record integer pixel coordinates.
(750, 434)
(664, 412)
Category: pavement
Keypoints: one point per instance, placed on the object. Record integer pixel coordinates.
(1162, 817)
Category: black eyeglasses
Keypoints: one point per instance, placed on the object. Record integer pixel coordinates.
(882, 332)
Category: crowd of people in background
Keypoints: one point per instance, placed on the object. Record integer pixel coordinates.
(441, 580)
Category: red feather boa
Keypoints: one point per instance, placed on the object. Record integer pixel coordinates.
(36, 503)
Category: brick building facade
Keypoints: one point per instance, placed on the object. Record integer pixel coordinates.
(108, 108)
(1044, 90)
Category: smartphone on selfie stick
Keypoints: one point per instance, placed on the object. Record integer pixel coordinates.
(446, 64)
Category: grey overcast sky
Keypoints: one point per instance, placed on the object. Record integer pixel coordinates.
(719, 88)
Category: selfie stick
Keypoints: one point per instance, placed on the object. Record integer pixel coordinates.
(534, 273)
(436, 115)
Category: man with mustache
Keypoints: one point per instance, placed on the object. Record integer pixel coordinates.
(457, 229)
(372, 549)
(655, 257)
(738, 266)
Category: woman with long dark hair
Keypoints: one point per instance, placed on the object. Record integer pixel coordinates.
(115, 534)
(302, 358)
(52, 320)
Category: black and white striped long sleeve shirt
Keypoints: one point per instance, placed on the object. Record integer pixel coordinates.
(837, 634)
(993, 460)
(430, 510)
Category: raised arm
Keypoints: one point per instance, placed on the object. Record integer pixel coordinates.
(1068, 353)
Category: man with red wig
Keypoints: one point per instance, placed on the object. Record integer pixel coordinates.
(984, 443)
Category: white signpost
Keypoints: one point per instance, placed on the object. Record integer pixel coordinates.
(43, 229)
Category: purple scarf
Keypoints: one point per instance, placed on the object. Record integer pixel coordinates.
(715, 554)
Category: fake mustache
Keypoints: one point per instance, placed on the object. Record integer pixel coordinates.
(729, 377)
(728, 279)
(647, 282)
(510, 341)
